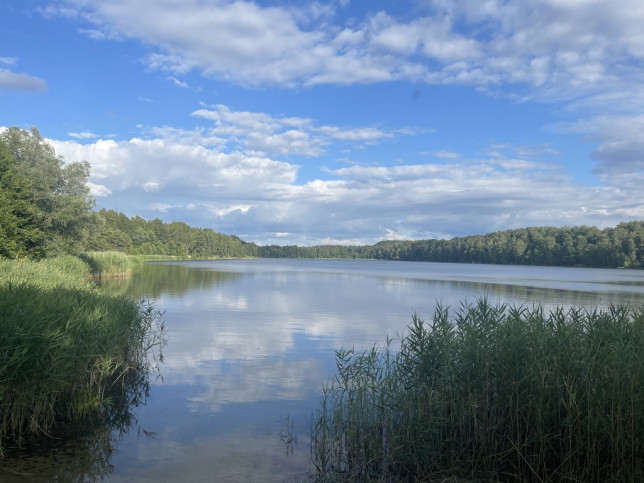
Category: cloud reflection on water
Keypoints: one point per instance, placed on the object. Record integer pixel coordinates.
(253, 340)
(252, 330)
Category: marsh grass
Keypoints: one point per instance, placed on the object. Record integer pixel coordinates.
(68, 352)
(490, 393)
(110, 264)
(63, 272)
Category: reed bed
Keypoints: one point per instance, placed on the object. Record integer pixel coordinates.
(110, 264)
(68, 352)
(63, 272)
(490, 393)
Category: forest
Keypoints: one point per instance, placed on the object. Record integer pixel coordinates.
(137, 236)
(46, 210)
(578, 246)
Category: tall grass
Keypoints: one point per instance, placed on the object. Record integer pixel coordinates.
(68, 352)
(110, 264)
(64, 272)
(490, 393)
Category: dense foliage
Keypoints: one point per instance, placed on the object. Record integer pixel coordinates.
(19, 231)
(490, 393)
(138, 236)
(50, 209)
(46, 210)
(622, 246)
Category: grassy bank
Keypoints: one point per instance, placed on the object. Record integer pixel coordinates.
(490, 393)
(110, 264)
(72, 271)
(67, 352)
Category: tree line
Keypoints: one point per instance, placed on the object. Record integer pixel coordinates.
(46, 210)
(582, 246)
(135, 235)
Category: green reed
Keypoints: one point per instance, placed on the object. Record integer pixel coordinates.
(110, 264)
(67, 352)
(66, 271)
(490, 393)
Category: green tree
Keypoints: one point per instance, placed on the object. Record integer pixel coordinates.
(59, 191)
(19, 232)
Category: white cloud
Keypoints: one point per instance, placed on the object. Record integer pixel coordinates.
(183, 84)
(21, 82)
(362, 134)
(235, 171)
(178, 83)
(263, 134)
(258, 198)
(161, 207)
(96, 34)
(221, 212)
(153, 187)
(176, 162)
(98, 190)
(586, 56)
(445, 154)
(83, 135)
(555, 48)
(393, 235)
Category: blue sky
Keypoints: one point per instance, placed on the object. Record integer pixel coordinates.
(346, 121)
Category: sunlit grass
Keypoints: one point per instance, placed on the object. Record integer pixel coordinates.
(490, 393)
(67, 271)
(109, 264)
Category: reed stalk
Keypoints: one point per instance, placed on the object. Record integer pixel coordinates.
(67, 352)
(490, 393)
(110, 264)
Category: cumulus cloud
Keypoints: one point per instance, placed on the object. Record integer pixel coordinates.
(234, 173)
(172, 174)
(620, 148)
(264, 134)
(150, 165)
(98, 189)
(556, 48)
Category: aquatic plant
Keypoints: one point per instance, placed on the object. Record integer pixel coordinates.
(109, 264)
(490, 393)
(68, 352)
(65, 272)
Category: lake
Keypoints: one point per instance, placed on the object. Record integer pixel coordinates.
(251, 344)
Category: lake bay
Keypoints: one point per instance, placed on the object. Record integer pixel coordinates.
(252, 342)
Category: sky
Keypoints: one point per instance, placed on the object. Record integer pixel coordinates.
(345, 122)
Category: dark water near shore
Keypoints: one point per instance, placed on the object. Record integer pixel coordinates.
(250, 345)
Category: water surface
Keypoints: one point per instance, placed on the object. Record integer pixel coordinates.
(250, 345)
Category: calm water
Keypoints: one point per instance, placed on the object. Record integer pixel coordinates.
(250, 344)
